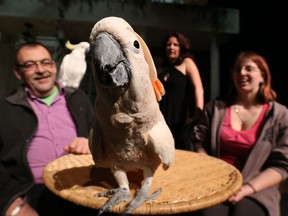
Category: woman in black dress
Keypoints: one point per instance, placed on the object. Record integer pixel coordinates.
(184, 94)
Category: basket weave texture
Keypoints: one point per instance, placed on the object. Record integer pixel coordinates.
(193, 181)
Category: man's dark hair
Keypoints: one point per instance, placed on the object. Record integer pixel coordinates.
(30, 44)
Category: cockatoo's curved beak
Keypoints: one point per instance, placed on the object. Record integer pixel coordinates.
(111, 65)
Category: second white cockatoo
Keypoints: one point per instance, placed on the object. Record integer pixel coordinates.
(130, 132)
(73, 66)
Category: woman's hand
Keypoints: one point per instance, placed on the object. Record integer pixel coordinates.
(78, 146)
(245, 190)
(264, 180)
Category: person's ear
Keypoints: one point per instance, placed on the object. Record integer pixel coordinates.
(17, 74)
(263, 76)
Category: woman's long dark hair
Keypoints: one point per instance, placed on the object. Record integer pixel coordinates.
(184, 48)
(266, 93)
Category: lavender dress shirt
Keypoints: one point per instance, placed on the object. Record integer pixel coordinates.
(56, 129)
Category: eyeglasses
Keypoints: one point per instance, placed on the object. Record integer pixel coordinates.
(32, 65)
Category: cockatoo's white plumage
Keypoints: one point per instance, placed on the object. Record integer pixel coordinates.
(73, 65)
(130, 132)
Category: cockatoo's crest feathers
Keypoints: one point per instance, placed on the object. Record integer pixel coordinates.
(105, 25)
(157, 85)
(69, 46)
(148, 58)
(158, 89)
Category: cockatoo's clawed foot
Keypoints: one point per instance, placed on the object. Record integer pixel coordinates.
(107, 193)
(140, 198)
(118, 195)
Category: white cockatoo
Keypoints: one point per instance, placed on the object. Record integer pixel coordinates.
(130, 132)
(73, 65)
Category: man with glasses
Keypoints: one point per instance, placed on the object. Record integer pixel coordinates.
(40, 122)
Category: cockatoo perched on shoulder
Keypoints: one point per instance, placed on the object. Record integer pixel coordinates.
(73, 65)
(130, 132)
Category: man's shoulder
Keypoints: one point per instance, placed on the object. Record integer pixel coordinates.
(11, 93)
(72, 91)
(73, 94)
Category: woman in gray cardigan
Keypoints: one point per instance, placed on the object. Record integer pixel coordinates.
(249, 130)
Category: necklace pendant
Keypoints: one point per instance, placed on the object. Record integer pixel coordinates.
(236, 109)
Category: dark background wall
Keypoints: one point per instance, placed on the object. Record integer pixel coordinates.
(263, 29)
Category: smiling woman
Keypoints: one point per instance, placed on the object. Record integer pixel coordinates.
(251, 72)
(247, 129)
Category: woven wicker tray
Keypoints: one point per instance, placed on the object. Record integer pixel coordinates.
(193, 182)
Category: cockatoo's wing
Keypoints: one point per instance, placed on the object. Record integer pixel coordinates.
(159, 135)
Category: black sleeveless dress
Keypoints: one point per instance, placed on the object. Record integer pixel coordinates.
(177, 103)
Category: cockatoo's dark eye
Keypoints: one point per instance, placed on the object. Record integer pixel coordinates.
(136, 44)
